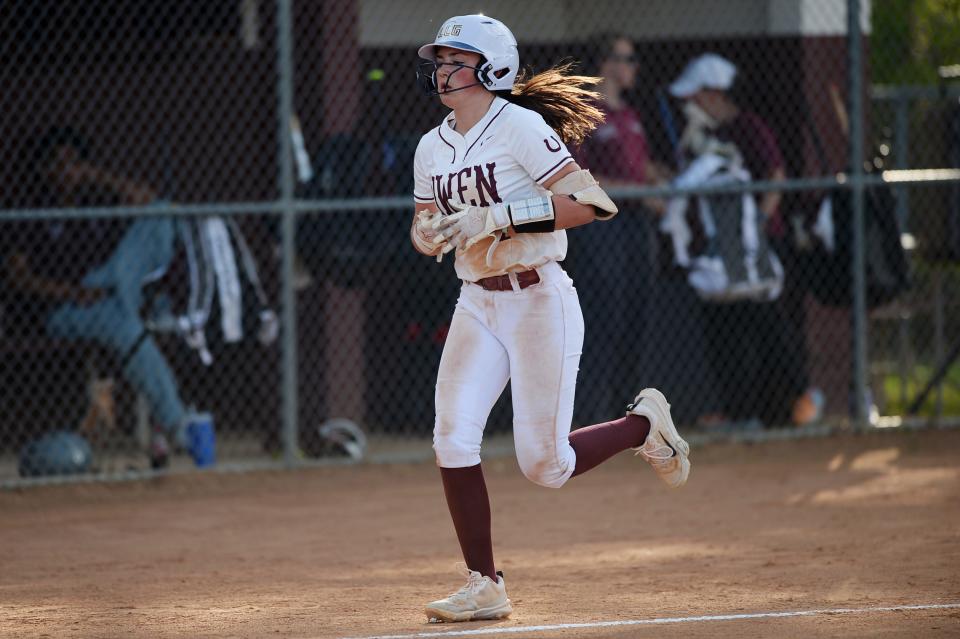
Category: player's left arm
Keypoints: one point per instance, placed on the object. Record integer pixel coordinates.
(575, 196)
(568, 210)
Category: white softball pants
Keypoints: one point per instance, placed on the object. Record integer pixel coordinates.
(532, 337)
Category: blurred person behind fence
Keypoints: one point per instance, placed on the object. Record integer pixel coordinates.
(757, 354)
(83, 277)
(611, 262)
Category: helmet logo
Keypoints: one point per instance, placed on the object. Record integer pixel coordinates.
(449, 30)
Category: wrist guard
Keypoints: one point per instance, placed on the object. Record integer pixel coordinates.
(533, 215)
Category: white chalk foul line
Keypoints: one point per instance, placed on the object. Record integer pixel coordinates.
(666, 620)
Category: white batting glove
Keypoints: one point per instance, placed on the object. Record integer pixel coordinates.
(424, 233)
(469, 225)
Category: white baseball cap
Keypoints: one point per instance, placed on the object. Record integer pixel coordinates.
(708, 71)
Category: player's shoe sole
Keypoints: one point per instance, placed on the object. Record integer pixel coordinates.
(664, 449)
(441, 615)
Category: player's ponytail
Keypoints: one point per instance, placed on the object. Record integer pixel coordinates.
(564, 100)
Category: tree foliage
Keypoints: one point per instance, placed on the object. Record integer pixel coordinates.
(911, 39)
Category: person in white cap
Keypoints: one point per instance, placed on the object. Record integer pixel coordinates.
(714, 117)
(705, 87)
(495, 183)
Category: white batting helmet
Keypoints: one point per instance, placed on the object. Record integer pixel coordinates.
(486, 36)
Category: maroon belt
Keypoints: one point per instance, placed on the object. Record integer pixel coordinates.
(502, 282)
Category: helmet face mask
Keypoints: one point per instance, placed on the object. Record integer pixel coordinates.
(427, 76)
(500, 60)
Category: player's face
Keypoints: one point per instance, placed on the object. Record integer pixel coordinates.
(455, 72)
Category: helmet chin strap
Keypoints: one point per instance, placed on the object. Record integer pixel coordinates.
(448, 91)
(437, 90)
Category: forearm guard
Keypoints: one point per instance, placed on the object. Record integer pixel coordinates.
(582, 187)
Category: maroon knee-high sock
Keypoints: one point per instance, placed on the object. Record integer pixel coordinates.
(598, 443)
(469, 505)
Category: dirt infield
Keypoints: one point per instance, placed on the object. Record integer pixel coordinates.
(843, 522)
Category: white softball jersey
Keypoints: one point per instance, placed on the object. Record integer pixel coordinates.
(505, 157)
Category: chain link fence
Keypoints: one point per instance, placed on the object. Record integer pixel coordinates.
(206, 212)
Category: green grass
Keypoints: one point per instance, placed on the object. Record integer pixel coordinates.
(915, 383)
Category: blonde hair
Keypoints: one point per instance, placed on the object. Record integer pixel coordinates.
(563, 99)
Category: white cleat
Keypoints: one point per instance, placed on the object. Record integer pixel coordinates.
(663, 449)
(480, 598)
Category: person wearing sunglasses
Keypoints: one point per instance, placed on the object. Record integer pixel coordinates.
(603, 259)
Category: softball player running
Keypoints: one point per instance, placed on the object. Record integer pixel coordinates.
(496, 184)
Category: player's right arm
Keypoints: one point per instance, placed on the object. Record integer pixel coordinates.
(425, 210)
(422, 231)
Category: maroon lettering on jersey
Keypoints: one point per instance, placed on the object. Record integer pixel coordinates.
(554, 147)
(487, 186)
(443, 194)
(461, 187)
